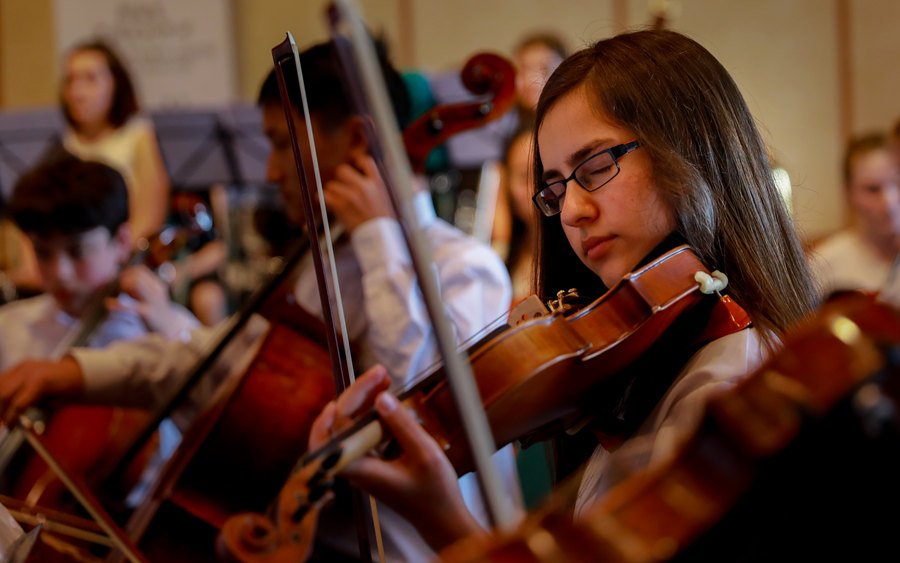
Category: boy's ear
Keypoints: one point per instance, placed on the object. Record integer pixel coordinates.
(358, 139)
(125, 241)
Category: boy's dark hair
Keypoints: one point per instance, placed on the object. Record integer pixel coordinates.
(69, 196)
(124, 102)
(326, 95)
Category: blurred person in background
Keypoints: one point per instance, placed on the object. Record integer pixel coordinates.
(861, 256)
(101, 108)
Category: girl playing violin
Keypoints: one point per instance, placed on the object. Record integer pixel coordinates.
(641, 141)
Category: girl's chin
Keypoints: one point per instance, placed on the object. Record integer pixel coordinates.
(611, 273)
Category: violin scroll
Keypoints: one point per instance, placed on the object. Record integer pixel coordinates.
(253, 538)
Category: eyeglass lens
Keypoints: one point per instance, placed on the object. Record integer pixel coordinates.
(590, 175)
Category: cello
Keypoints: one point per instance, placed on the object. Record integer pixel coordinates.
(73, 443)
(797, 462)
(84, 438)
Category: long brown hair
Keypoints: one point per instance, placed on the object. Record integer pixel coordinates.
(709, 164)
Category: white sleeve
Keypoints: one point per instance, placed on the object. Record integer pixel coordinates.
(473, 284)
(146, 371)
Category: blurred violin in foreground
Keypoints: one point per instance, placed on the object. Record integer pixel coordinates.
(797, 462)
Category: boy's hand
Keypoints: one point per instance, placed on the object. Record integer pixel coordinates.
(357, 193)
(152, 301)
(30, 381)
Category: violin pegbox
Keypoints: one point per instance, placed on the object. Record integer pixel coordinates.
(563, 304)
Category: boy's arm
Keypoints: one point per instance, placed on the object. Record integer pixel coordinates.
(32, 380)
(473, 282)
(137, 373)
(128, 373)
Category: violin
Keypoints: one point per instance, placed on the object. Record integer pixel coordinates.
(542, 370)
(794, 461)
(192, 221)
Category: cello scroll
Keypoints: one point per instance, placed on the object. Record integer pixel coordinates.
(485, 74)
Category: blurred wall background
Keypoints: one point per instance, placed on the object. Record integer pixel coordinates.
(813, 71)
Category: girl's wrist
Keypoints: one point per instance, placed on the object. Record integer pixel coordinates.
(448, 531)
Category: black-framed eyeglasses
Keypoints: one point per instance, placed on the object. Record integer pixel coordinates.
(592, 174)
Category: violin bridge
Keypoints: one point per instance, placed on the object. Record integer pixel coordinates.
(528, 309)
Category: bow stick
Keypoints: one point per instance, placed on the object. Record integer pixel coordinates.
(373, 100)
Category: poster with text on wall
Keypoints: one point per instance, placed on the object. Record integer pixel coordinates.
(180, 54)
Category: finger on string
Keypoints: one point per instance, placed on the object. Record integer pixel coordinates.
(410, 435)
(323, 426)
(15, 406)
(367, 165)
(360, 395)
(113, 304)
(13, 393)
(335, 196)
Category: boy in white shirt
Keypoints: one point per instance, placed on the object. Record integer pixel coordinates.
(384, 308)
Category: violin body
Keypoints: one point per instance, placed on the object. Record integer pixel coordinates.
(546, 370)
(797, 462)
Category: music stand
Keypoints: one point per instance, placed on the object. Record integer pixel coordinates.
(25, 137)
(191, 143)
(251, 148)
